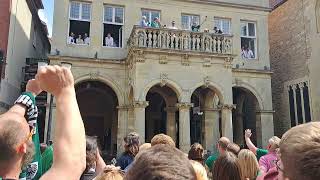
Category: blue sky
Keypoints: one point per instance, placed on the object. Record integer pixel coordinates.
(47, 14)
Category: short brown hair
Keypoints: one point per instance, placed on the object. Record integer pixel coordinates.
(223, 143)
(162, 139)
(91, 152)
(234, 148)
(300, 152)
(227, 167)
(196, 152)
(109, 174)
(132, 142)
(161, 162)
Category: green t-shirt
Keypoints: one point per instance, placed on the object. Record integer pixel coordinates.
(47, 159)
(211, 159)
(261, 152)
(155, 24)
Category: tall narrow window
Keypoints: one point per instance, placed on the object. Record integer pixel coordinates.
(291, 106)
(113, 26)
(248, 40)
(306, 102)
(299, 105)
(223, 25)
(188, 20)
(79, 23)
(150, 15)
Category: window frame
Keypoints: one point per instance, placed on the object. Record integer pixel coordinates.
(113, 23)
(150, 13)
(255, 37)
(221, 24)
(80, 11)
(189, 19)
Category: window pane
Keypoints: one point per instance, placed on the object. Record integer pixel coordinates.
(226, 26)
(155, 14)
(108, 12)
(248, 48)
(217, 23)
(75, 10)
(185, 22)
(243, 29)
(195, 19)
(119, 15)
(251, 27)
(86, 11)
(146, 14)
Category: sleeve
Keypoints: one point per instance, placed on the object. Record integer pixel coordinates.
(261, 152)
(263, 164)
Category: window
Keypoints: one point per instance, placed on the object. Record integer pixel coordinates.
(150, 14)
(222, 24)
(79, 23)
(188, 20)
(248, 40)
(113, 26)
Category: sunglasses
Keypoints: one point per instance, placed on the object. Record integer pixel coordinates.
(28, 138)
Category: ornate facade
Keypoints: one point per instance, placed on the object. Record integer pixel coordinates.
(193, 86)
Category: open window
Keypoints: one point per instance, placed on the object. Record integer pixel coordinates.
(187, 21)
(79, 23)
(150, 15)
(113, 26)
(222, 26)
(248, 40)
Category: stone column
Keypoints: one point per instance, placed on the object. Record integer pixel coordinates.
(122, 129)
(266, 121)
(227, 121)
(212, 134)
(294, 87)
(140, 118)
(238, 126)
(184, 126)
(301, 85)
(171, 122)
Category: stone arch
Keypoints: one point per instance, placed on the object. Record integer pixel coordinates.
(247, 87)
(211, 85)
(104, 79)
(171, 84)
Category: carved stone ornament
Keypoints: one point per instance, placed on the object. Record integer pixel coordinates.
(163, 79)
(227, 106)
(139, 56)
(140, 104)
(184, 105)
(228, 62)
(163, 59)
(207, 62)
(206, 81)
(185, 60)
(130, 81)
(94, 75)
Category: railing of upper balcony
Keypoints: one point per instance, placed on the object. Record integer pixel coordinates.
(182, 40)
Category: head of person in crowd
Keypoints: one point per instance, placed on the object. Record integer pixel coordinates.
(162, 139)
(71, 34)
(222, 145)
(161, 161)
(110, 173)
(248, 164)
(85, 35)
(227, 167)
(196, 153)
(300, 152)
(156, 19)
(80, 37)
(144, 147)
(200, 171)
(91, 153)
(234, 148)
(16, 146)
(131, 143)
(273, 144)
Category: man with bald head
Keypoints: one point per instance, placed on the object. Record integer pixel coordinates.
(222, 148)
(69, 135)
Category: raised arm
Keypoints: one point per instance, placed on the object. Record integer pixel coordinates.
(250, 145)
(69, 136)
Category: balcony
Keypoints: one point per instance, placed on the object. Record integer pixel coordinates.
(165, 39)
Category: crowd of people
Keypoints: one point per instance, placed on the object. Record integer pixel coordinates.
(296, 156)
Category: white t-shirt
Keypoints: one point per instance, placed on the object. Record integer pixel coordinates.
(247, 54)
(109, 41)
(87, 40)
(71, 40)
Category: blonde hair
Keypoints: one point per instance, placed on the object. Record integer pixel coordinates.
(201, 172)
(274, 143)
(300, 149)
(249, 165)
(110, 175)
(162, 139)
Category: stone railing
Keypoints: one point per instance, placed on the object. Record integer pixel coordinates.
(181, 40)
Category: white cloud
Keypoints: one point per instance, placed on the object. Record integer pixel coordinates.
(44, 18)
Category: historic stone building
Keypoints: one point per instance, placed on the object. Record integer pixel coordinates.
(193, 86)
(294, 52)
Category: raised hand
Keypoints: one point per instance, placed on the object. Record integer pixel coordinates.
(55, 79)
(247, 133)
(33, 87)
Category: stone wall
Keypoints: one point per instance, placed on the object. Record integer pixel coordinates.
(289, 54)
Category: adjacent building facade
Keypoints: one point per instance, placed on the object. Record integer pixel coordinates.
(294, 52)
(23, 35)
(193, 86)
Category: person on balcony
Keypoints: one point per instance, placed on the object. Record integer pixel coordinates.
(156, 23)
(86, 39)
(195, 27)
(71, 39)
(143, 22)
(80, 40)
(109, 40)
(173, 25)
